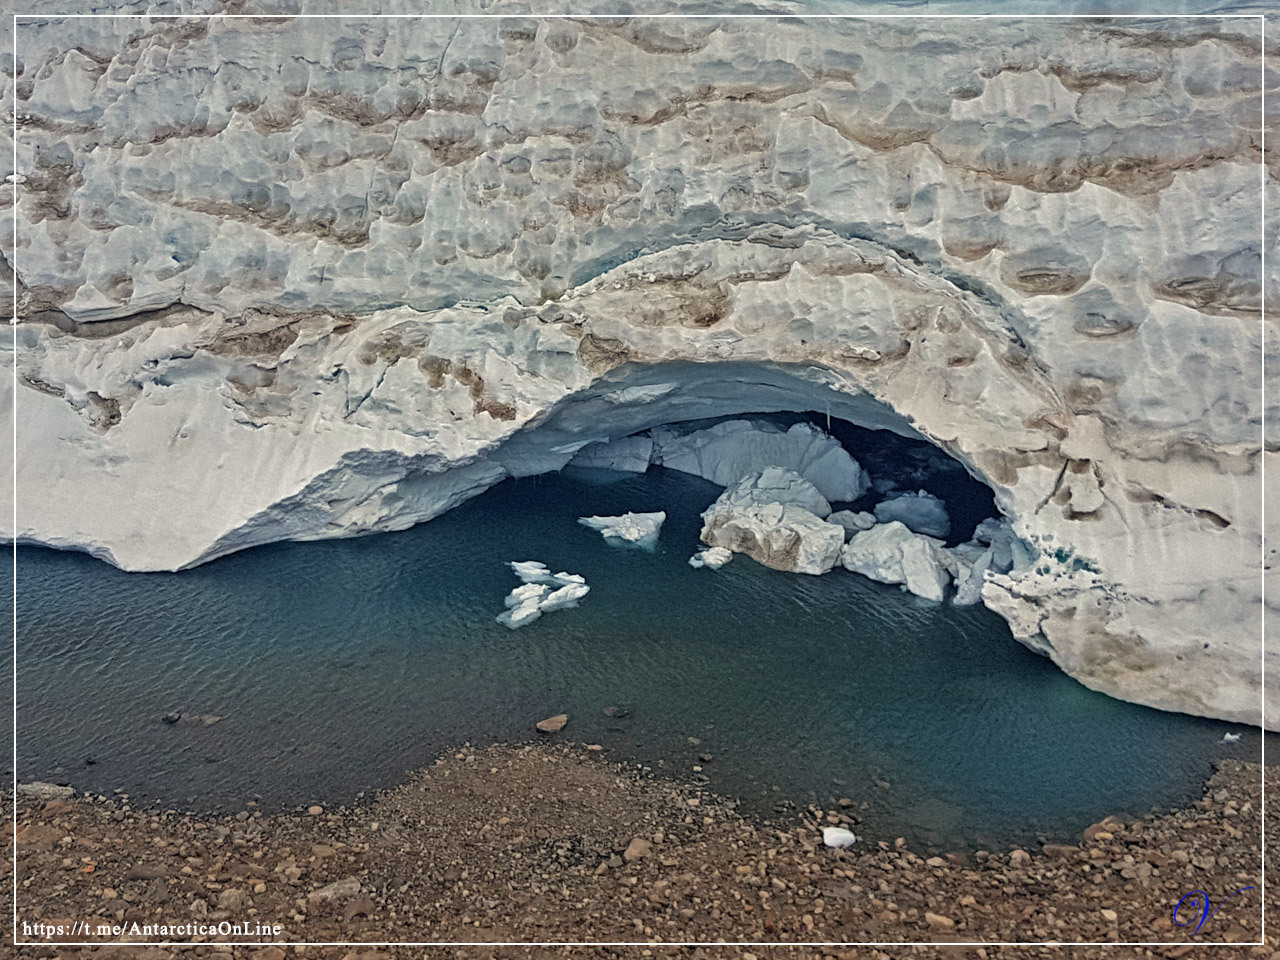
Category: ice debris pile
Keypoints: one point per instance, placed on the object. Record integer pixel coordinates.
(776, 517)
(629, 529)
(776, 509)
(541, 591)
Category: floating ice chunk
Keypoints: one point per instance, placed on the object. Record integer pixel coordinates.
(1230, 737)
(564, 598)
(526, 592)
(838, 837)
(636, 529)
(541, 592)
(853, 522)
(713, 558)
(628, 454)
(891, 553)
(520, 614)
(921, 512)
(530, 571)
(775, 517)
(727, 451)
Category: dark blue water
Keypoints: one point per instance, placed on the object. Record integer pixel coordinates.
(336, 666)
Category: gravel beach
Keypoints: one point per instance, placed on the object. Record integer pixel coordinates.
(555, 842)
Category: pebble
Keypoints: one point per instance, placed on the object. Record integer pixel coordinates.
(938, 922)
(315, 811)
(1110, 916)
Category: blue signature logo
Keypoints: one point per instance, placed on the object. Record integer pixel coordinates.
(1200, 901)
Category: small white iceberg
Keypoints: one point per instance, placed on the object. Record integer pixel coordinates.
(713, 558)
(631, 529)
(1230, 737)
(541, 592)
(838, 837)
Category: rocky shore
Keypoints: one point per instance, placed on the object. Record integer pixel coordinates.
(556, 843)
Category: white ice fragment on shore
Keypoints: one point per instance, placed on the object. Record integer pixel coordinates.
(632, 529)
(713, 558)
(852, 522)
(921, 512)
(727, 451)
(891, 553)
(775, 517)
(627, 454)
(838, 837)
(541, 592)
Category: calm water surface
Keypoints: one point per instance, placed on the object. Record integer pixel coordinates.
(336, 666)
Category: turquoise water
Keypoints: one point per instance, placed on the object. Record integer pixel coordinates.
(338, 665)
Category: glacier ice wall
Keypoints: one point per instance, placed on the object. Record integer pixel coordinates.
(290, 278)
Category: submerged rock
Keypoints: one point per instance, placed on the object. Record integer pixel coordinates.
(727, 451)
(890, 553)
(627, 454)
(635, 529)
(771, 517)
(921, 512)
(713, 558)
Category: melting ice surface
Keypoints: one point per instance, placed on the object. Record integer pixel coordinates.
(338, 665)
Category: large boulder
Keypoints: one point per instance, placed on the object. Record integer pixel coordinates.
(775, 517)
(727, 451)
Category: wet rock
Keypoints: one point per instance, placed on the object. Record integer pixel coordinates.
(45, 791)
(553, 724)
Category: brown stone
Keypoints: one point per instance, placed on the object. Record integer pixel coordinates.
(1060, 850)
(39, 836)
(1103, 826)
(359, 907)
(637, 849)
(553, 724)
(939, 922)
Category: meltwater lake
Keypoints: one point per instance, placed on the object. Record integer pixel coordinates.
(336, 666)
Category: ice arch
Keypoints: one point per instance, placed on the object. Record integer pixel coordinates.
(185, 438)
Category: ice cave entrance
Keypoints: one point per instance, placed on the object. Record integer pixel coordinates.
(857, 486)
